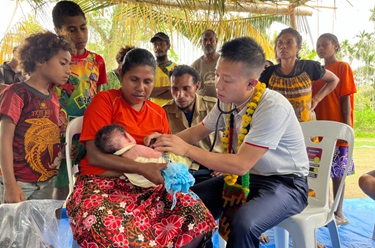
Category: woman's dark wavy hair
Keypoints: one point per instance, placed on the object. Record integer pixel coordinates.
(137, 57)
(65, 8)
(41, 47)
(122, 52)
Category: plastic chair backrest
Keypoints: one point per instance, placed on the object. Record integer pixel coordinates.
(74, 127)
(321, 156)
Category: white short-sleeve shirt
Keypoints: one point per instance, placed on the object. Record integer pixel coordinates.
(275, 127)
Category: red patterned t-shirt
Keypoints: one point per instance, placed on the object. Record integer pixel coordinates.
(36, 141)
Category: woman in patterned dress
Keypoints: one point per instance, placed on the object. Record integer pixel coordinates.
(293, 77)
(105, 209)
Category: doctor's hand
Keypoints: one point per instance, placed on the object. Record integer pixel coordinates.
(150, 139)
(171, 143)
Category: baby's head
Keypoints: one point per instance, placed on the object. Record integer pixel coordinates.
(112, 138)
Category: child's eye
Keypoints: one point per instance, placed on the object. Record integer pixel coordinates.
(63, 62)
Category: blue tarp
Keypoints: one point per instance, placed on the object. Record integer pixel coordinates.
(357, 234)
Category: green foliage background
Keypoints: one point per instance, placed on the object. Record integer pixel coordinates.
(122, 24)
(364, 113)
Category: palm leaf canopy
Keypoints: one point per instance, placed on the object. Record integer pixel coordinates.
(120, 22)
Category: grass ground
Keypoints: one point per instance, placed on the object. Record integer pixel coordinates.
(364, 157)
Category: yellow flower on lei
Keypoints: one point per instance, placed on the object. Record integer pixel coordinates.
(252, 105)
(231, 179)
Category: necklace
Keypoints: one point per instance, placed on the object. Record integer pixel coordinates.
(164, 63)
(227, 138)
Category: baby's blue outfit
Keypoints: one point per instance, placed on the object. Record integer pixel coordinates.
(177, 178)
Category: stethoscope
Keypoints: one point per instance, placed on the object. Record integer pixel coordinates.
(219, 116)
(217, 123)
(224, 112)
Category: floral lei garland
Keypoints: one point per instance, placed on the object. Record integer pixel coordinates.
(231, 179)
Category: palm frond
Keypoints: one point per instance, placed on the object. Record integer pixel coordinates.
(119, 22)
(191, 25)
(16, 34)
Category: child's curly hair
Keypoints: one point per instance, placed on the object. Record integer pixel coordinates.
(40, 47)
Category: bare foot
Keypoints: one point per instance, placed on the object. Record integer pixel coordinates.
(341, 221)
(319, 245)
(264, 238)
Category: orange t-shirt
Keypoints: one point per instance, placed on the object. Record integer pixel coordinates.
(109, 107)
(329, 108)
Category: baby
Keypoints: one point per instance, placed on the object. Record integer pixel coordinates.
(114, 139)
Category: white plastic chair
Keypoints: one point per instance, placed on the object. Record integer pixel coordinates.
(74, 127)
(302, 227)
(222, 242)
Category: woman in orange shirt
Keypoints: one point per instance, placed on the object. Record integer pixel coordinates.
(105, 208)
(336, 106)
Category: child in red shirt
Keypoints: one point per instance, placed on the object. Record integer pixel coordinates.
(30, 135)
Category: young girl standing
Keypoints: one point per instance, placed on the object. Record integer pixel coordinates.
(29, 131)
(336, 106)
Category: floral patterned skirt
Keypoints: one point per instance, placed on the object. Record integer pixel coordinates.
(340, 158)
(112, 212)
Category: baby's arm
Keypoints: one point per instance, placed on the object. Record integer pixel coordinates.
(141, 151)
